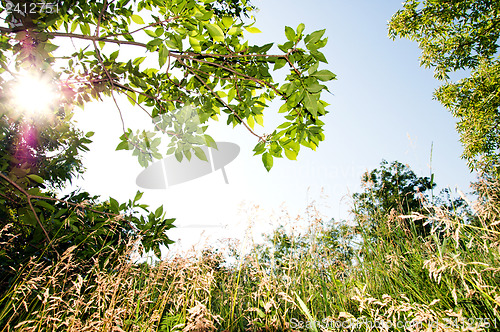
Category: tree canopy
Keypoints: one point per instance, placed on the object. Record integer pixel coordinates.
(193, 54)
(461, 37)
(201, 59)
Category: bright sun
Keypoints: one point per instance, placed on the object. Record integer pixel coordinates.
(33, 95)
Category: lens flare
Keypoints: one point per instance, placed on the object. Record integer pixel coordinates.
(33, 95)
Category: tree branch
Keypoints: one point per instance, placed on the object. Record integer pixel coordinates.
(219, 98)
(143, 28)
(46, 198)
(28, 197)
(253, 79)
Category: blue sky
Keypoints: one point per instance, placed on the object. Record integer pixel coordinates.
(381, 108)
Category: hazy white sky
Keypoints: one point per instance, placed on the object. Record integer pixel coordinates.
(381, 108)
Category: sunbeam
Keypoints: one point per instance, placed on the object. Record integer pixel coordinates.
(32, 95)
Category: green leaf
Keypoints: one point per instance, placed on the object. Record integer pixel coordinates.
(290, 154)
(234, 31)
(35, 178)
(284, 125)
(157, 251)
(300, 28)
(85, 28)
(170, 44)
(123, 146)
(200, 153)
(264, 48)
(314, 37)
(286, 46)
(311, 104)
(162, 55)
(115, 207)
(210, 141)
(187, 153)
(203, 16)
(221, 93)
(259, 148)
(131, 97)
(284, 108)
(50, 47)
(195, 44)
(319, 56)
(315, 87)
(46, 205)
(231, 94)
(324, 75)
(267, 159)
(313, 68)
(306, 312)
(215, 32)
(138, 61)
(293, 145)
(138, 196)
(252, 30)
(275, 149)
(73, 26)
(178, 155)
(294, 99)
(150, 33)
(290, 34)
(251, 122)
(259, 119)
(280, 63)
(27, 217)
(137, 19)
(159, 212)
(227, 21)
(114, 55)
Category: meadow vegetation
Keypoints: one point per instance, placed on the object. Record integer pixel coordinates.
(329, 276)
(405, 260)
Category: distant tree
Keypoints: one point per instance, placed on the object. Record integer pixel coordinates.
(461, 36)
(390, 190)
(324, 244)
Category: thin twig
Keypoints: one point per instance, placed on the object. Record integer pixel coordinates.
(143, 28)
(104, 5)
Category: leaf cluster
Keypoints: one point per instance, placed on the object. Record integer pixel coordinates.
(38, 157)
(195, 67)
(202, 61)
(461, 36)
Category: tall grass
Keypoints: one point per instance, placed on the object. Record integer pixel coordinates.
(311, 280)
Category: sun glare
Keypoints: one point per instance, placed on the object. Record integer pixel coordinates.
(33, 95)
